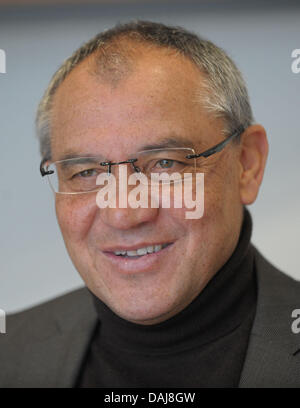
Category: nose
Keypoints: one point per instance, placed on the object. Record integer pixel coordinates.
(127, 218)
(125, 214)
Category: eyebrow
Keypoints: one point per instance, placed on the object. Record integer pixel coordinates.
(169, 142)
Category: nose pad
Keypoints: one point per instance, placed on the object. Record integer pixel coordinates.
(135, 167)
(109, 164)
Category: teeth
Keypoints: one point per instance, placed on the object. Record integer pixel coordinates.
(120, 252)
(131, 253)
(141, 251)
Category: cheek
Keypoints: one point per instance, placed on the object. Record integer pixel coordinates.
(220, 197)
(75, 216)
(222, 186)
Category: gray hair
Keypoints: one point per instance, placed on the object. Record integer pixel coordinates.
(225, 94)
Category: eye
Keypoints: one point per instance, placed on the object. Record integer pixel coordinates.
(86, 173)
(166, 163)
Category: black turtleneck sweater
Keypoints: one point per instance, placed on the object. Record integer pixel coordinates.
(202, 346)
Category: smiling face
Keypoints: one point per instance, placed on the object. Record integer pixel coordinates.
(156, 101)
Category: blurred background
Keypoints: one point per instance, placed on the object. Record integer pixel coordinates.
(38, 35)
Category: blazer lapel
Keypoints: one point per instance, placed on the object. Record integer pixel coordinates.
(73, 345)
(271, 360)
(57, 353)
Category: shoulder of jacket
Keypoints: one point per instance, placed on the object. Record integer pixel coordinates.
(37, 322)
(281, 287)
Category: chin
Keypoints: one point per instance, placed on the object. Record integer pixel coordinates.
(144, 314)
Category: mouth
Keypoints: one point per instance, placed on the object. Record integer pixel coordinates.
(138, 259)
(140, 252)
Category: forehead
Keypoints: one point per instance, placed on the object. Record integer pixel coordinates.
(156, 99)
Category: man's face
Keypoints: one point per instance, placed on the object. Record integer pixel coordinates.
(157, 100)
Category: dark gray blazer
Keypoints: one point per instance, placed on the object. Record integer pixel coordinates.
(45, 345)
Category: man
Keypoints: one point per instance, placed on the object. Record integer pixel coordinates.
(170, 301)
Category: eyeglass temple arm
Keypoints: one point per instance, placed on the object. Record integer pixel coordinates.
(43, 171)
(219, 146)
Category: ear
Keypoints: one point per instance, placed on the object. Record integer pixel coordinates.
(253, 156)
